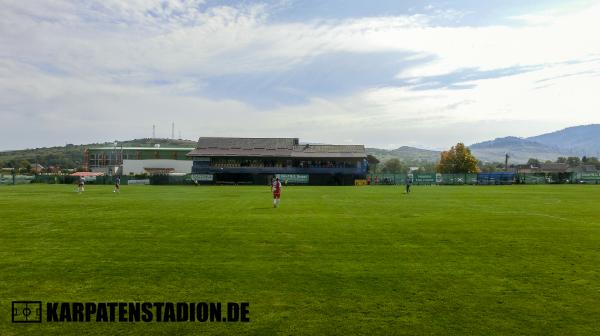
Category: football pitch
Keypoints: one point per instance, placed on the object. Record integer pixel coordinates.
(505, 260)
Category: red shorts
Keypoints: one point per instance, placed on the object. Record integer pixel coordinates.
(277, 194)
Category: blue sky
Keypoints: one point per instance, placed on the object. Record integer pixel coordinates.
(474, 12)
(384, 73)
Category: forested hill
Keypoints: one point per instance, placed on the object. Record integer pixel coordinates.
(405, 154)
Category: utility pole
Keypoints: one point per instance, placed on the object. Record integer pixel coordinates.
(173, 130)
(114, 158)
(506, 156)
(153, 131)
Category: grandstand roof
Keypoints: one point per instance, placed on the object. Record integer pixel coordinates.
(554, 167)
(273, 147)
(246, 143)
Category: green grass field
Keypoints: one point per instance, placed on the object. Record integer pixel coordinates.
(510, 260)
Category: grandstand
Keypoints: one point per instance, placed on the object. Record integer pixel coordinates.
(258, 160)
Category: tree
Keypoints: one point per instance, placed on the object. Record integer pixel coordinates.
(393, 166)
(573, 161)
(561, 159)
(591, 160)
(457, 160)
(24, 166)
(489, 167)
(426, 167)
(372, 161)
(533, 162)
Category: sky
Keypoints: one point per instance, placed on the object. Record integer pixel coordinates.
(383, 73)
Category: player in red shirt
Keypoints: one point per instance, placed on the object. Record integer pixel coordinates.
(276, 188)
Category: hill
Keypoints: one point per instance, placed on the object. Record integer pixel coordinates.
(71, 156)
(519, 149)
(578, 140)
(405, 154)
(572, 141)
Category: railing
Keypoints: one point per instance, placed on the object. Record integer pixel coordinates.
(275, 170)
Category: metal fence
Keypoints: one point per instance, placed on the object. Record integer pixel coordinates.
(422, 179)
(9, 179)
(589, 178)
(67, 179)
(500, 178)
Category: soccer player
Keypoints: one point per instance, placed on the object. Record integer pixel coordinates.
(81, 185)
(276, 188)
(408, 183)
(117, 188)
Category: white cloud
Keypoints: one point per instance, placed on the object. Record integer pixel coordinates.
(74, 66)
(178, 38)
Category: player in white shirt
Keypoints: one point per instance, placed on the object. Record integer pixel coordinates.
(81, 186)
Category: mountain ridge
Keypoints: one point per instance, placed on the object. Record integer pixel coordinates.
(582, 140)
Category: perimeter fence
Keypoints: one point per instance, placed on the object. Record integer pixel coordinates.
(498, 178)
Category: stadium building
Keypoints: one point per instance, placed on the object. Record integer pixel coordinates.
(137, 160)
(258, 160)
